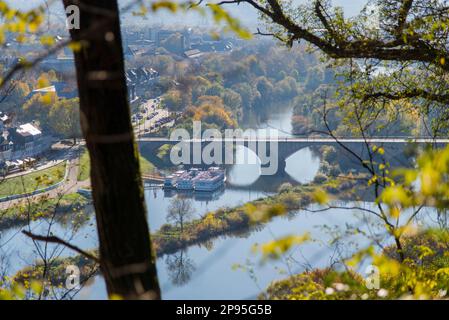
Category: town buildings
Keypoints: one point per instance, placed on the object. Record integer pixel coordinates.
(19, 142)
(139, 80)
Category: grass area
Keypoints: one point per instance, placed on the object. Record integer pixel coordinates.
(84, 167)
(18, 215)
(33, 181)
(84, 170)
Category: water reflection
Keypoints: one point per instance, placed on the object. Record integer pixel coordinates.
(158, 202)
(247, 170)
(18, 251)
(197, 196)
(303, 165)
(179, 268)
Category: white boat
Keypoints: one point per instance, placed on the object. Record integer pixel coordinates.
(196, 180)
(210, 180)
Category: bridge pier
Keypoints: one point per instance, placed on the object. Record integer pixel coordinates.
(281, 167)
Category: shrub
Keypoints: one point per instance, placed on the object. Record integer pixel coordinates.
(334, 170)
(290, 200)
(305, 200)
(324, 167)
(284, 187)
(166, 228)
(320, 178)
(237, 219)
(330, 154)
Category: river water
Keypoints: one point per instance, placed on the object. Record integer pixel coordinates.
(227, 267)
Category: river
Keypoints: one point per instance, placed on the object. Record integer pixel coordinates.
(225, 268)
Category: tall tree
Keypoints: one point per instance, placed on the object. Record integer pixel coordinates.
(63, 118)
(126, 257)
(180, 211)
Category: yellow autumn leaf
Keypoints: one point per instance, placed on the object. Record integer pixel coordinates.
(320, 196)
(276, 248)
(396, 196)
(47, 98)
(47, 40)
(75, 46)
(429, 180)
(168, 5)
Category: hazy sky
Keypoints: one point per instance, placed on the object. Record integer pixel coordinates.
(244, 12)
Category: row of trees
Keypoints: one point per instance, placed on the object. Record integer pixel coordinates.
(54, 114)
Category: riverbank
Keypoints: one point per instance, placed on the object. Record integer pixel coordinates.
(20, 214)
(423, 275)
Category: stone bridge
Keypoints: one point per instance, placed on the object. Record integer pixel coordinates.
(283, 147)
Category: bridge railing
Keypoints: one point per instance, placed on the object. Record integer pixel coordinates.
(401, 139)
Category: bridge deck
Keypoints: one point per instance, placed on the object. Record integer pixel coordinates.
(303, 140)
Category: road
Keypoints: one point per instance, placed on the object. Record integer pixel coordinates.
(59, 153)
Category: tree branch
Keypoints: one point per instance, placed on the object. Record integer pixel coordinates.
(53, 239)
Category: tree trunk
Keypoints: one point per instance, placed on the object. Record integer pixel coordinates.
(182, 225)
(127, 262)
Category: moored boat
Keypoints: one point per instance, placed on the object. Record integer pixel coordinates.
(196, 180)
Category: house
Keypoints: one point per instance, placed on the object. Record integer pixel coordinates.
(6, 148)
(138, 79)
(25, 136)
(214, 46)
(194, 53)
(5, 120)
(61, 63)
(61, 89)
(139, 50)
(27, 141)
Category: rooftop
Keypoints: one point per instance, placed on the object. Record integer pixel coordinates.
(28, 129)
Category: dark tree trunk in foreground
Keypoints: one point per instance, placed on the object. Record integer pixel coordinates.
(125, 248)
